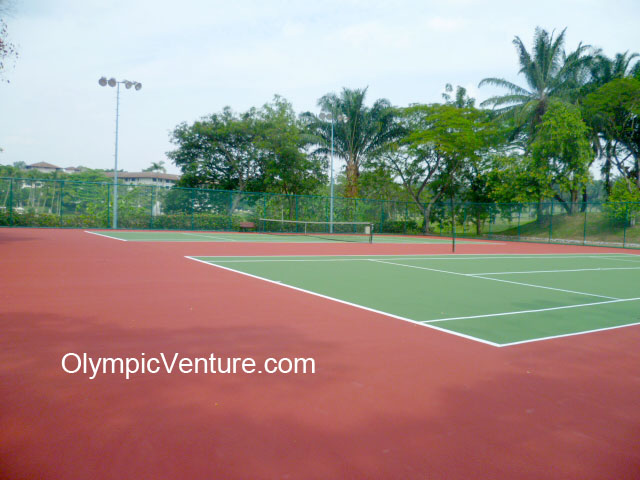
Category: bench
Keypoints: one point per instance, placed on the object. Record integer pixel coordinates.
(244, 226)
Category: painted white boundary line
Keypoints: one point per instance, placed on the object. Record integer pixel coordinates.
(496, 279)
(334, 258)
(105, 236)
(344, 302)
(415, 322)
(559, 271)
(626, 259)
(220, 239)
(569, 334)
(533, 311)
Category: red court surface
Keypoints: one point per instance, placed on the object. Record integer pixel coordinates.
(389, 399)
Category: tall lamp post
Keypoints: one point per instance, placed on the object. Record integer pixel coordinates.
(332, 118)
(112, 82)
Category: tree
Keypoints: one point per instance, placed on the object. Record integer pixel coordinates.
(8, 51)
(561, 149)
(549, 73)
(156, 167)
(288, 167)
(442, 141)
(219, 151)
(365, 132)
(261, 149)
(613, 110)
(602, 71)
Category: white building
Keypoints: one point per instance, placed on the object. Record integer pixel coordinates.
(146, 178)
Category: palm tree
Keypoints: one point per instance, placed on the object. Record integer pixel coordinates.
(549, 73)
(156, 167)
(365, 131)
(604, 70)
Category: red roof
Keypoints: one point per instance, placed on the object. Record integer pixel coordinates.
(44, 165)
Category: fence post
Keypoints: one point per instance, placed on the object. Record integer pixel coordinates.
(551, 222)
(584, 232)
(230, 227)
(406, 216)
(193, 207)
(264, 206)
(11, 202)
(490, 221)
(626, 221)
(153, 202)
(108, 204)
(519, 218)
(60, 203)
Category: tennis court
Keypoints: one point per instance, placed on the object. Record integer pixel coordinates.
(408, 380)
(272, 237)
(497, 299)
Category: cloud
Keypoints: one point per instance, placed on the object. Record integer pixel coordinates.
(442, 24)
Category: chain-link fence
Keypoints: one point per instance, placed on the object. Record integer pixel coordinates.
(63, 203)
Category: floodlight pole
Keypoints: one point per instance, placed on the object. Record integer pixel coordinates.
(332, 117)
(331, 184)
(112, 82)
(115, 170)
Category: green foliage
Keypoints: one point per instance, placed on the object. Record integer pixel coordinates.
(258, 150)
(624, 201)
(357, 139)
(288, 167)
(613, 111)
(549, 73)
(561, 150)
(156, 167)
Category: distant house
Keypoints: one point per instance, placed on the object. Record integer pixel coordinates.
(44, 167)
(146, 178)
(74, 170)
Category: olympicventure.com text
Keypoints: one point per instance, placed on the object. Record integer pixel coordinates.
(175, 363)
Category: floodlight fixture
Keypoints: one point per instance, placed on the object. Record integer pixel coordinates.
(102, 81)
(112, 82)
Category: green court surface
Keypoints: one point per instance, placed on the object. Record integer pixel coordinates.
(495, 299)
(174, 236)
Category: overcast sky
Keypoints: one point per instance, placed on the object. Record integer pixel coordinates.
(194, 57)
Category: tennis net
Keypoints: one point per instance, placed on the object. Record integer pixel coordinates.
(336, 231)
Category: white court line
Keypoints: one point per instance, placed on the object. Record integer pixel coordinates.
(334, 258)
(622, 259)
(106, 236)
(415, 322)
(532, 311)
(558, 271)
(551, 337)
(220, 239)
(362, 307)
(497, 280)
